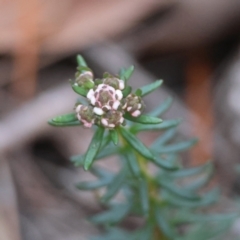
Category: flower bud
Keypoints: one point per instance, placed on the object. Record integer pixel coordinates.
(133, 104)
(114, 82)
(85, 115)
(112, 119)
(85, 79)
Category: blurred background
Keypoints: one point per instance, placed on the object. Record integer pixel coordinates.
(193, 46)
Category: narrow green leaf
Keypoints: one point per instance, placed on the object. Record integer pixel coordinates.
(133, 164)
(200, 181)
(115, 234)
(164, 125)
(108, 151)
(164, 163)
(71, 117)
(145, 233)
(93, 184)
(208, 230)
(136, 143)
(163, 223)
(144, 119)
(163, 138)
(107, 75)
(126, 91)
(176, 147)
(185, 216)
(66, 124)
(205, 200)
(191, 171)
(116, 214)
(79, 90)
(143, 192)
(125, 74)
(82, 100)
(84, 69)
(138, 92)
(81, 61)
(114, 186)
(101, 172)
(93, 147)
(162, 108)
(176, 190)
(151, 87)
(114, 136)
(78, 160)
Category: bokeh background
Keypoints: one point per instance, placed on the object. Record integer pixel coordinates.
(193, 45)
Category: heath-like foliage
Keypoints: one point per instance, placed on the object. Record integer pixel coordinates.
(168, 200)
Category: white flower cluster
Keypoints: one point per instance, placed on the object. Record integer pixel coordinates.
(107, 105)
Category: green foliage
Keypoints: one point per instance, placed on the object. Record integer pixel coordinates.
(167, 199)
(93, 148)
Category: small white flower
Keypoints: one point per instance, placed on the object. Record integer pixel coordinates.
(115, 105)
(104, 122)
(90, 94)
(136, 113)
(121, 84)
(98, 111)
(119, 94)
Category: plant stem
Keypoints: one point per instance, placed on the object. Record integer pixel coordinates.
(152, 191)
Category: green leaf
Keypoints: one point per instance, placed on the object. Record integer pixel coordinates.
(208, 199)
(164, 125)
(114, 186)
(151, 87)
(78, 160)
(143, 192)
(162, 108)
(125, 74)
(108, 151)
(208, 230)
(101, 172)
(82, 100)
(126, 91)
(185, 216)
(71, 117)
(93, 184)
(145, 233)
(200, 181)
(191, 171)
(80, 90)
(67, 124)
(114, 136)
(93, 147)
(144, 119)
(166, 164)
(138, 92)
(176, 147)
(163, 138)
(176, 190)
(114, 234)
(83, 69)
(163, 223)
(107, 75)
(116, 214)
(81, 61)
(133, 164)
(136, 143)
